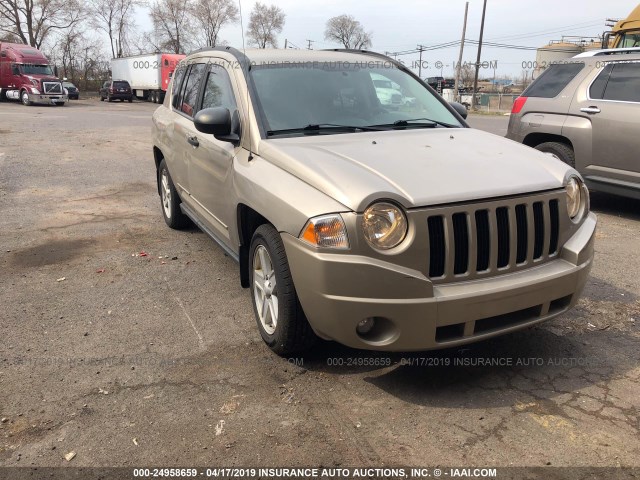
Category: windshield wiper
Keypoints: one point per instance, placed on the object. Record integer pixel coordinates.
(318, 127)
(425, 123)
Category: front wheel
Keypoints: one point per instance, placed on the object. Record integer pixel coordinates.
(560, 150)
(25, 98)
(281, 321)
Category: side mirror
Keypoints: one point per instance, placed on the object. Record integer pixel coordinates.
(217, 122)
(461, 109)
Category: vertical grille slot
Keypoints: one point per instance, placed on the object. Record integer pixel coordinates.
(461, 239)
(437, 248)
(502, 221)
(555, 226)
(483, 240)
(521, 222)
(538, 222)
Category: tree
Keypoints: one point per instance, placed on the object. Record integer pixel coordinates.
(172, 25)
(114, 17)
(467, 74)
(346, 30)
(211, 16)
(32, 21)
(265, 22)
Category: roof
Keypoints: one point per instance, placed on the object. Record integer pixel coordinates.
(27, 53)
(631, 22)
(635, 51)
(262, 56)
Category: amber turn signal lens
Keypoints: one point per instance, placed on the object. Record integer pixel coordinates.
(327, 231)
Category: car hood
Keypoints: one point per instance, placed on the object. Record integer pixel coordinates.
(42, 78)
(416, 168)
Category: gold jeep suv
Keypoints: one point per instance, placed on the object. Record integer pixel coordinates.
(387, 229)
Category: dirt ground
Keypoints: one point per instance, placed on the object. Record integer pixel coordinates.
(133, 345)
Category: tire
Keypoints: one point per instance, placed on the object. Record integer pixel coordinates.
(130, 100)
(24, 97)
(61, 104)
(561, 150)
(101, 98)
(169, 200)
(291, 332)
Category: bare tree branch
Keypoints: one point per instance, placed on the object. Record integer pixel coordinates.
(211, 16)
(265, 22)
(346, 30)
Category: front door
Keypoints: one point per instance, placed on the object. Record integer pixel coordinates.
(211, 162)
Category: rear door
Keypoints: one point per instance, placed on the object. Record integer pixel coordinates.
(613, 106)
(184, 104)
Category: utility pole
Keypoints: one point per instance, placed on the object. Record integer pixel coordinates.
(420, 49)
(475, 81)
(285, 43)
(464, 32)
(310, 42)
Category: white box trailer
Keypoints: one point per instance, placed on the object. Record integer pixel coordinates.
(148, 74)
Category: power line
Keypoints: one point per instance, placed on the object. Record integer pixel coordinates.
(573, 26)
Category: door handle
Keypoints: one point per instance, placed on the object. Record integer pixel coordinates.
(193, 140)
(590, 110)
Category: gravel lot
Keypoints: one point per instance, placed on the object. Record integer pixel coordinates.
(133, 345)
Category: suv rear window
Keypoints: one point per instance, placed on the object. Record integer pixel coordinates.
(120, 84)
(553, 80)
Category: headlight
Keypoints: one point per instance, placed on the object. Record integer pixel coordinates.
(35, 91)
(327, 231)
(577, 198)
(384, 225)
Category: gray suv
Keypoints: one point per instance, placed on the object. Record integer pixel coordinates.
(586, 111)
(386, 229)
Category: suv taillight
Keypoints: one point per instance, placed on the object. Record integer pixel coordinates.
(518, 104)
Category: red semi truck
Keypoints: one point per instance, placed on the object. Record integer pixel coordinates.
(148, 74)
(26, 75)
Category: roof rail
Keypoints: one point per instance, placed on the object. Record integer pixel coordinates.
(609, 51)
(240, 56)
(370, 53)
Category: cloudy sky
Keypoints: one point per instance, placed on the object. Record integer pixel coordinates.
(401, 25)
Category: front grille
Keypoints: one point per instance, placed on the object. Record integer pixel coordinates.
(52, 88)
(472, 240)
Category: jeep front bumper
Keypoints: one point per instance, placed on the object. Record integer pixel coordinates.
(337, 291)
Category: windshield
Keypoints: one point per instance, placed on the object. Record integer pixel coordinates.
(30, 69)
(339, 93)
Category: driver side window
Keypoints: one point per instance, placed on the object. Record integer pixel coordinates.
(218, 91)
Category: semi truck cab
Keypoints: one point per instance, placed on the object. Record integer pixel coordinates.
(26, 75)
(625, 33)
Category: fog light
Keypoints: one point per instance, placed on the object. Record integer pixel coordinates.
(365, 326)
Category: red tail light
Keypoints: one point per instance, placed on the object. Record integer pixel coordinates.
(518, 104)
(110, 89)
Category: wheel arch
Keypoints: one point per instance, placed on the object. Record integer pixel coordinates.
(535, 139)
(158, 156)
(248, 221)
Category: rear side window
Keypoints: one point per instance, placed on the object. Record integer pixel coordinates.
(553, 80)
(191, 89)
(624, 83)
